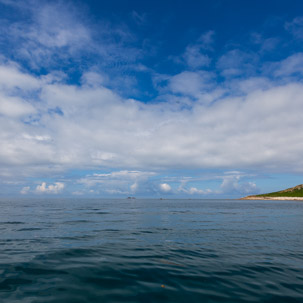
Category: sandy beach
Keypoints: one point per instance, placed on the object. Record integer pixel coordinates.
(271, 198)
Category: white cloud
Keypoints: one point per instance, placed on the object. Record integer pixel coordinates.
(48, 28)
(134, 187)
(94, 79)
(11, 77)
(295, 27)
(194, 190)
(232, 185)
(195, 55)
(193, 84)
(15, 107)
(25, 190)
(55, 26)
(266, 44)
(119, 182)
(197, 122)
(237, 62)
(206, 40)
(194, 58)
(287, 67)
(165, 188)
(250, 85)
(55, 188)
(260, 128)
(48, 32)
(117, 176)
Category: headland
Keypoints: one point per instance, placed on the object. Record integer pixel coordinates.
(293, 193)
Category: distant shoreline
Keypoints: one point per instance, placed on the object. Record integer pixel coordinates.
(271, 198)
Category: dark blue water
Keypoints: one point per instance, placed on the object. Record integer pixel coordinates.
(151, 251)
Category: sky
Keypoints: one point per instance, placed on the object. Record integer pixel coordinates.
(170, 98)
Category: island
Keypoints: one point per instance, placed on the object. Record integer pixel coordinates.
(293, 193)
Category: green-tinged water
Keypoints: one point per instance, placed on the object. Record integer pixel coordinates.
(151, 251)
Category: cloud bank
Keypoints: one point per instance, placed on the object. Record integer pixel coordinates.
(83, 126)
(233, 111)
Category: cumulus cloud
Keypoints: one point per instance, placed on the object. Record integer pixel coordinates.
(25, 190)
(165, 188)
(249, 119)
(260, 128)
(231, 184)
(15, 107)
(195, 55)
(193, 84)
(195, 58)
(11, 77)
(55, 188)
(119, 182)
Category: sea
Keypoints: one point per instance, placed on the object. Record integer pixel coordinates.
(150, 250)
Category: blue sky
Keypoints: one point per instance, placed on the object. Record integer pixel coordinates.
(198, 99)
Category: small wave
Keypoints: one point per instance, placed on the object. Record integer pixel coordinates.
(12, 222)
(29, 229)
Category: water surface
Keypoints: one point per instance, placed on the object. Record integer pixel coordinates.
(151, 251)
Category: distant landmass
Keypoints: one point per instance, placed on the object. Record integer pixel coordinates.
(293, 193)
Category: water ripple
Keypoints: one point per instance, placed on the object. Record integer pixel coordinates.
(157, 251)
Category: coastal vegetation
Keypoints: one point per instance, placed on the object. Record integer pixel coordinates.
(292, 193)
(296, 191)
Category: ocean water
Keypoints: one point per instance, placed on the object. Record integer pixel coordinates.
(64, 250)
